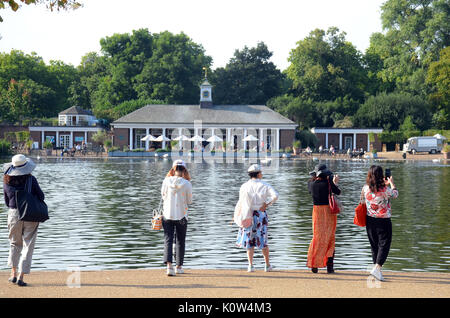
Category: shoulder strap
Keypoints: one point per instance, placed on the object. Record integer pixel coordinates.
(28, 184)
(361, 197)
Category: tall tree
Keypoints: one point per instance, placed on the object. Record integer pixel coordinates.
(414, 33)
(174, 70)
(324, 66)
(439, 79)
(389, 111)
(249, 78)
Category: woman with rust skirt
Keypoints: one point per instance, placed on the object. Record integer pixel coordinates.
(321, 248)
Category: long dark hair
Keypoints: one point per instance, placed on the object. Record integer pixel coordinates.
(15, 181)
(375, 178)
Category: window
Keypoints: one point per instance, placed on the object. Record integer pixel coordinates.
(64, 141)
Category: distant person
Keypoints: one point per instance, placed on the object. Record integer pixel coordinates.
(332, 150)
(322, 247)
(320, 149)
(255, 196)
(377, 194)
(176, 192)
(22, 234)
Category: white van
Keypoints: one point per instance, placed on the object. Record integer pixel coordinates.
(422, 144)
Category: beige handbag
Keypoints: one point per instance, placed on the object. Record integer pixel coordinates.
(157, 217)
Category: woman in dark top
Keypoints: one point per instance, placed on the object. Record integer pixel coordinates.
(321, 248)
(22, 234)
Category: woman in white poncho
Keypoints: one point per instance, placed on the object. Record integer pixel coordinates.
(251, 216)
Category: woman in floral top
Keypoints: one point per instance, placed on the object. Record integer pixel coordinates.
(377, 195)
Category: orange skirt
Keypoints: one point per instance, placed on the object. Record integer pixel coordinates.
(322, 243)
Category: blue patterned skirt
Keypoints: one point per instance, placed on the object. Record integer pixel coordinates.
(255, 235)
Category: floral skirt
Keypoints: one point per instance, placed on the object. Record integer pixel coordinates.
(255, 235)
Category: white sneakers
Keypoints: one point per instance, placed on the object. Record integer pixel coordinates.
(376, 272)
(251, 268)
(173, 272)
(170, 271)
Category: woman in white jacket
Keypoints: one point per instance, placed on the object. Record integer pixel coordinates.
(176, 192)
(251, 216)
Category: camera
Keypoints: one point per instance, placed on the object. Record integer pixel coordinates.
(387, 173)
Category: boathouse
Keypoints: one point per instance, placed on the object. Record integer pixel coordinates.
(248, 127)
(348, 138)
(75, 126)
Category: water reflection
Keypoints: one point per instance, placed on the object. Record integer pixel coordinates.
(100, 215)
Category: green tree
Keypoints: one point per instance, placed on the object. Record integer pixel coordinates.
(47, 86)
(324, 66)
(388, 111)
(174, 70)
(300, 111)
(414, 33)
(248, 78)
(14, 102)
(438, 78)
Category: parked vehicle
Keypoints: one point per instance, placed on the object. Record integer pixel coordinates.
(422, 144)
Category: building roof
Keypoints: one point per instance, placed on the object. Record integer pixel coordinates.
(75, 110)
(332, 130)
(216, 114)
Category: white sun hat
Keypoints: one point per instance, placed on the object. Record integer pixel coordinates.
(179, 162)
(19, 166)
(254, 168)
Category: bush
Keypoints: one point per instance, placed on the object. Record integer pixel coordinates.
(297, 144)
(112, 149)
(288, 150)
(307, 138)
(48, 145)
(5, 147)
(446, 148)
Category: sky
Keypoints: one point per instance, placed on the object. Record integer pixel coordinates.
(221, 27)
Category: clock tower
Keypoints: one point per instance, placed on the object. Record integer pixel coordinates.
(205, 94)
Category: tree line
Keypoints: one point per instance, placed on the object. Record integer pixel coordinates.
(400, 83)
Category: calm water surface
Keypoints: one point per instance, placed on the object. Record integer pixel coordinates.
(100, 212)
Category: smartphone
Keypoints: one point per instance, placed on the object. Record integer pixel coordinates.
(387, 173)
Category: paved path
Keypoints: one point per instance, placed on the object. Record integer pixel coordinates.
(197, 283)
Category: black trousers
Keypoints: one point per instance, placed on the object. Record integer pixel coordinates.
(170, 228)
(379, 231)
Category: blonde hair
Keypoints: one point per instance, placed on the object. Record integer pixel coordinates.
(184, 173)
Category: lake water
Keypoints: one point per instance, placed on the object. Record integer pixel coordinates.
(100, 212)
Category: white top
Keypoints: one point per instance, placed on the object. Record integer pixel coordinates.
(252, 195)
(177, 194)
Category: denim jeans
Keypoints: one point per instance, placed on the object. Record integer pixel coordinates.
(171, 227)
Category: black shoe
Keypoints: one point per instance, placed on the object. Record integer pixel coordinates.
(21, 283)
(314, 270)
(12, 280)
(330, 269)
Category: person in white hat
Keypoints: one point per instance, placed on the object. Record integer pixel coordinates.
(176, 192)
(255, 196)
(22, 235)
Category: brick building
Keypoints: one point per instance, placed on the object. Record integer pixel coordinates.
(345, 138)
(231, 123)
(75, 126)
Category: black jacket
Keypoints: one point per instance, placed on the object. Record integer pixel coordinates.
(10, 192)
(319, 191)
